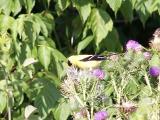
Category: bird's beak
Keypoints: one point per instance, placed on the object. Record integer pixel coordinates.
(69, 63)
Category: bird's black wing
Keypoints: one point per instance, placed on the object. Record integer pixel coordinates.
(94, 57)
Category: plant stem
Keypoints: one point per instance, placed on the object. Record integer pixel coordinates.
(148, 82)
(92, 110)
(79, 100)
(9, 112)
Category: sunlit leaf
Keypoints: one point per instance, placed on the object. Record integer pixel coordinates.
(155, 61)
(114, 4)
(62, 4)
(29, 110)
(43, 27)
(151, 6)
(44, 54)
(16, 7)
(29, 4)
(58, 55)
(6, 22)
(29, 61)
(6, 6)
(84, 43)
(101, 24)
(84, 8)
(143, 12)
(3, 103)
(62, 111)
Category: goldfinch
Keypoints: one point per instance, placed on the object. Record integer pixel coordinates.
(86, 61)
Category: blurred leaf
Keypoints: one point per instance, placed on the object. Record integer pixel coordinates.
(112, 43)
(101, 24)
(2, 84)
(47, 96)
(77, 27)
(58, 55)
(3, 103)
(28, 27)
(131, 88)
(29, 4)
(6, 6)
(84, 43)
(127, 10)
(158, 7)
(6, 22)
(155, 60)
(151, 5)
(16, 7)
(43, 27)
(47, 20)
(29, 110)
(114, 4)
(133, 3)
(54, 78)
(84, 8)
(29, 61)
(44, 54)
(62, 111)
(143, 13)
(62, 4)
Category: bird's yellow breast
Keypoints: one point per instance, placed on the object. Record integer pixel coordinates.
(76, 61)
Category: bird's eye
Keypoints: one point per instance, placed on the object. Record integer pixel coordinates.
(69, 63)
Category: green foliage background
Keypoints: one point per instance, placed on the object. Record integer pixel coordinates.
(49, 30)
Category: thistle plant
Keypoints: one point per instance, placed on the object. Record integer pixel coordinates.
(125, 87)
(86, 87)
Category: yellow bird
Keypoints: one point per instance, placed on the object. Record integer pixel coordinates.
(86, 61)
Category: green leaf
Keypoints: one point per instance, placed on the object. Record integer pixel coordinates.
(46, 97)
(29, 4)
(3, 103)
(114, 4)
(29, 110)
(58, 55)
(143, 13)
(77, 27)
(62, 4)
(44, 54)
(155, 60)
(16, 7)
(127, 10)
(28, 29)
(84, 43)
(6, 22)
(112, 42)
(46, 22)
(62, 111)
(151, 6)
(39, 20)
(133, 2)
(6, 6)
(84, 8)
(101, 24)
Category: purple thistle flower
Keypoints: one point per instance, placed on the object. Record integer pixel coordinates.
(154, 71)
(101, 115)
(147, 55)
(98, 73)
(133, 45)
